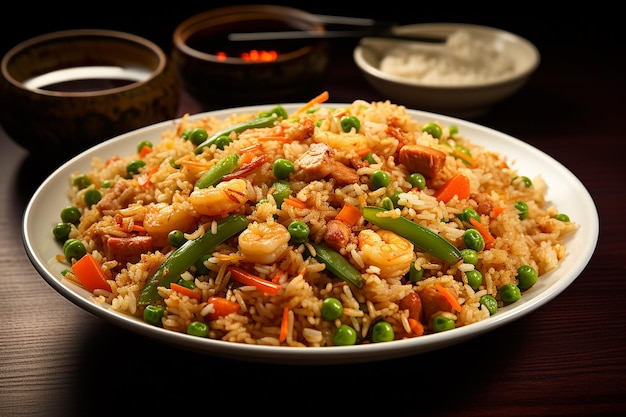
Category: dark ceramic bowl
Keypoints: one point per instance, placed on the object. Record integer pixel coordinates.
(217, 72)
(64, 92)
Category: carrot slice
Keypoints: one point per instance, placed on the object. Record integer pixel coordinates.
(90, 274)
(416, 326)
(323, 97)
(295, 202)
(349, 214)
(454, 302)
(246, 278)
(284, 325)
(458, 185)
(485, 233)
(495, 212)
(185, 291)
(222, 307)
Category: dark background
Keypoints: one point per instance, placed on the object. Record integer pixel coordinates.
(556, 32)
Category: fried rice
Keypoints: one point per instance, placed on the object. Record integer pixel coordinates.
(330, 166)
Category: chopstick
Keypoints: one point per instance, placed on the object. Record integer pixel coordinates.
(303, 34)
(375, 29)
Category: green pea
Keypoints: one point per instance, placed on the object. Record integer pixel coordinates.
(474, 278)
(331, 308)
(176, 238)
(369, 157)
(223, 141)
(522, 208)
(522, 180)
(195, 135)
(441, 323)
(92, 196)
(387, 204)
(134, 166)
(70, 214)
(281, 191)
(282, 168)
(417, 180)
(468, 213)
(143, 143)
(152, 314)
(81, 181)
(201, 268)
(470, 256)
(526, 276)
(453, 129)
(173, 164)
(380, 178)
(473, 240)
(61, 231)
(187, 283)
(73, 249)
(463, 149)
(299, 231)
(562, 217)
(382, 332)
(433, 129)
(395, 198)
(350, 122)
(490, 302)
(344, 336)
(510, 293)
(415, 274)
(106, 184)
(197, 328)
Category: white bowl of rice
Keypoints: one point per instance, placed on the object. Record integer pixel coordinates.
(473, 69)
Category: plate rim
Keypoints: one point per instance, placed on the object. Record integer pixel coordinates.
(310, 355)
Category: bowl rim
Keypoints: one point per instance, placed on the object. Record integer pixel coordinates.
(113, 35)
(194, 23)
(428, 28)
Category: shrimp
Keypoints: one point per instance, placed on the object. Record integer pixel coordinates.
(223, 198)
(160, 219)
(264, 243)
(391, 253)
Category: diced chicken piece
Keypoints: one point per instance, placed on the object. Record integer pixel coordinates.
(337, 234)
(318, 162)
(126, 249)
(422, 159)
(343, 174)
(117, 197)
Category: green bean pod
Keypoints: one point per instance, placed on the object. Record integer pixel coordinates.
(422, 237)
(238, 128)
(182, 258)
(337, 264)
(213, 175)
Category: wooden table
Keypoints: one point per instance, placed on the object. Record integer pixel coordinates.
(567, 358)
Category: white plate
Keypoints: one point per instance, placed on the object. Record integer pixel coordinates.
(565, 190)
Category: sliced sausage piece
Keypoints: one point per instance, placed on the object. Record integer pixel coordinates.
(126, 249)
(422, 159)
(432, 302)
(413, 303)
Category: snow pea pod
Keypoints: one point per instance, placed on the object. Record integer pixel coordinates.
(182, 258)
(267, 121)
(213, 175)
(422, 237)
(337, 264)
